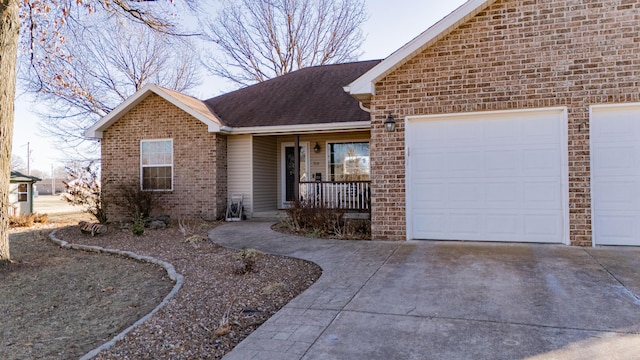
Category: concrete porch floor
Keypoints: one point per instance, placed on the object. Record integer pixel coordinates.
(448, 300)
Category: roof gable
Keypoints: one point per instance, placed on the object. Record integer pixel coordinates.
(190, 105)
(364, 86)
(17, 176)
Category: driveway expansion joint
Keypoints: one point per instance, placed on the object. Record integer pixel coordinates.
(628, 291)
(485, 321)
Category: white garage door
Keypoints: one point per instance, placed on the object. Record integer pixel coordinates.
(497, 176)
(615, 174)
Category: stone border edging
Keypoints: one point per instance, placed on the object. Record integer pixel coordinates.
(171, 272)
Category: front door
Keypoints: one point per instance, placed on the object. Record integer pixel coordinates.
(288, 170)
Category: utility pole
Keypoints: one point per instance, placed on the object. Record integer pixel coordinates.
(53, 181)
(28, 159)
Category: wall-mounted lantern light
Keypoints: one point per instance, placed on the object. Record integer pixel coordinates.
(389, 123)
(316, 148)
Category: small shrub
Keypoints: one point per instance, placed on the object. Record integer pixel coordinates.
(312, 220)
(138, 203)
(137, 228)
(194, 239)
(274, 288)
(309, 218)
(22, 220)
(245, 261)
(41, 218)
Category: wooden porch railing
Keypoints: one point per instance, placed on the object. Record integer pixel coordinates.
(349, 195)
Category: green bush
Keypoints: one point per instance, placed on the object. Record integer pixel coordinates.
(137, 228)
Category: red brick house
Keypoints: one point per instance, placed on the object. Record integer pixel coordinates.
(515, 120)
(196, 154)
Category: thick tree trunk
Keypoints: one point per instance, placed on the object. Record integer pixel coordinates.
(9, 28)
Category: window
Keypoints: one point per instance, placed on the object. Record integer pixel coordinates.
(23, 192)
(156, 162)
(349, 161)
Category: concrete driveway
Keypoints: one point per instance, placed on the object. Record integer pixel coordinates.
(448, 300)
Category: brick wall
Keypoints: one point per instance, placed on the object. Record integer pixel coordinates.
(515, 55)
(200, 160)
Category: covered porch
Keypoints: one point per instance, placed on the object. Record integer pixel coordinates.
(329, 169)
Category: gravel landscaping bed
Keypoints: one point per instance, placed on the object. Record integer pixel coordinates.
(217, 307)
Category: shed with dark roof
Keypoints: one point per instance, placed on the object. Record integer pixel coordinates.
(21, 193)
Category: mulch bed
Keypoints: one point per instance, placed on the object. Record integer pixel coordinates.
(59, 303)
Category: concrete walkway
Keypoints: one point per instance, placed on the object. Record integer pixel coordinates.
(448, 300)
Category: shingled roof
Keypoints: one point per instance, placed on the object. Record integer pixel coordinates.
(311, 95)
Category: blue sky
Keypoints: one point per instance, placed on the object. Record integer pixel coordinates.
(391, 24)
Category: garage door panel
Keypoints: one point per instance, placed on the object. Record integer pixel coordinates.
(467, 162)
(428, 163)
(615, 178)
(433, 193)
(617, 228)
(542, 162)
(504, 226)
(617, 159)
(617, 194)
(466, 194)
(503, 195)
(543, 130)
(615, 124)
(431, 224)
(486, 179)
(542, 225)
(542, 194)
(490, 226)
(464, 132)
(500, 161)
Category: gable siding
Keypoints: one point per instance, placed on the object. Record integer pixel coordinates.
(265, 173)
(196, 155)
(239, 171)
(514, 55)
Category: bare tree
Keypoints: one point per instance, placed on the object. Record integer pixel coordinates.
(109, 60)
(41, 22)
(262, 39)
(9, 26)
(18, 163)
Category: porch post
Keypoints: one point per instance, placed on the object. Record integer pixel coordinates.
(296, 171)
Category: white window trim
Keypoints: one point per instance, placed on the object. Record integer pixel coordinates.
(328, 154)
(156, 165)
(18, 192)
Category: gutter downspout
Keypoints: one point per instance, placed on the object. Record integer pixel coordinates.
(296, 171)
(364, 108)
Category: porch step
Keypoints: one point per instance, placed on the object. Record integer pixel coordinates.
(274, 215)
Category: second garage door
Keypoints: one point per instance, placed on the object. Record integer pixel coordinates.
(497, 176)
(615, 174)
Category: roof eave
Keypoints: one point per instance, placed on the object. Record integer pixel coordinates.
(299, 129)
(364, 86)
